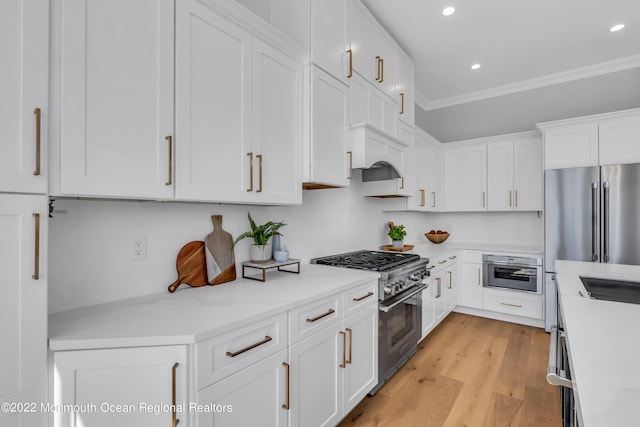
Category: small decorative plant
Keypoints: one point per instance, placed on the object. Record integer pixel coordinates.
(261, 251)
(397, 233)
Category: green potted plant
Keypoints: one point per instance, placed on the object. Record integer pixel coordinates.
(261, 248)
(397, 234)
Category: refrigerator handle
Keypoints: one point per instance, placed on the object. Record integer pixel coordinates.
(594, 221)
(605, 222)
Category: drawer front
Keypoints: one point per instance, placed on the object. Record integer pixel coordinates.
(510, 303)
(360, 297)
(314, 317)
(472, 256)
(221, 356)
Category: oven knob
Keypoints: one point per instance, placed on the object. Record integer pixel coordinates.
(388, 290)
(414, 276)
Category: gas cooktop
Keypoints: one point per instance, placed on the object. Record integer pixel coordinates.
(368, 260)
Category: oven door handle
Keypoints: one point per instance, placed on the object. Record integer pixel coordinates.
(512, 264)
(386, 308)
(554, 372)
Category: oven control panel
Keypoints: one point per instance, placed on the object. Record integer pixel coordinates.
(410, 280)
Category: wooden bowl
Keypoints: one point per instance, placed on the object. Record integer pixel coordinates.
(437, 238)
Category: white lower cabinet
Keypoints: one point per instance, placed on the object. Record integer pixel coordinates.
(518, 303)
(470, 293)
(255, 396)
(440, 297)
(428, 309)
(451, 283)
(141, 386)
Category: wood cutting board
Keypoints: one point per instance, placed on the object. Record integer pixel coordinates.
(221, 263)
(191, 266)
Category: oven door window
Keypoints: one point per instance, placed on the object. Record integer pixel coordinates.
(513, 277)
(402, 323)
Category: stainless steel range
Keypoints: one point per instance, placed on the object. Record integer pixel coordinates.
(402, 280)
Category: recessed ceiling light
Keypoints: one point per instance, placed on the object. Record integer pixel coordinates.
(448, 11)
(617, 27)
(475, 66)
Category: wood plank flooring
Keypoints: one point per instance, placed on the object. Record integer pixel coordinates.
(470, 371)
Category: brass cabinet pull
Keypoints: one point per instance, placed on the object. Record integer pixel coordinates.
(422, 197)
(438, 287)
(382, 73)
(36, 263)
(450, 285)
(431, 267)
(266, 339)
(331, 311)
(453, 257)
(363, 297)
(174, 419)
(350, 153)
(402, 183)
(442, 261)
(478, 277)
(433, 195)
(250, 154)
(511, 305)
(38, 114)
(483, 199)
(170, 140)
(350, 52)
(286, 405)
(378, 64)
(344, 350)
(510, 197)
(349, 361)
(516, 198)
(402, 103)
(259, 156)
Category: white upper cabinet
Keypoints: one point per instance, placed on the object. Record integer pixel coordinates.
(514, 175)
(465, 178)
(213, 106)
(24, 77)
(363, 28)
(603, 139)
(116, 79)
(369, 105)
(386, 55)
(619, 140)
(239, 121)
(406, 89)
(330, 37)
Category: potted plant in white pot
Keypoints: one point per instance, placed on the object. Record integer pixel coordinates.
(261, 248)
(397, 233)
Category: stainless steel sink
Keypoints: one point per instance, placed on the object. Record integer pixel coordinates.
(612, 290)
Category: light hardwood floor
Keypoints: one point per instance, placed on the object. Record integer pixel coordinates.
(470, 371)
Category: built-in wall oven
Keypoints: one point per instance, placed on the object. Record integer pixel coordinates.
(512, 272)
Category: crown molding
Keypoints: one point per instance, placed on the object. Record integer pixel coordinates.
(549, 80)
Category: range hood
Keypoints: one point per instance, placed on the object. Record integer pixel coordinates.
(382, 159)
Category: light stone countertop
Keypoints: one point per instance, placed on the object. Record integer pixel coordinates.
(193, 314)
(432, 250)
(603, 341)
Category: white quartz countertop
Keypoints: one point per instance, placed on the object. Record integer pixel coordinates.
(431, 250)
(604, 345)
(193, 314)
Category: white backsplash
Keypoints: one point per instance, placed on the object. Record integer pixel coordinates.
(89, 239)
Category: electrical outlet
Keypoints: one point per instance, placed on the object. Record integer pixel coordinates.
(138, 247)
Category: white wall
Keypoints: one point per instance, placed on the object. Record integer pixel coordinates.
(89, 239)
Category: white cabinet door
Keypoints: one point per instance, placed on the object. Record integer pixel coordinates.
(277, 126)
(434, 193)
(117, 98)
(138, 379)
(452, 282)
(255, 396)
(326, 156)
(618, 140)
(419, 156)
(367, 104)
(330, 37)
(428, 308)
(386, 54)
(465, 178)
(24, 77)
(500, 193)
(439, 295)
(362, 28)
(571, 146)
(213, 106)
(470, 285)
(527, 175)
(361, 372)
(23, 306)
(406, 91)
(316, 392)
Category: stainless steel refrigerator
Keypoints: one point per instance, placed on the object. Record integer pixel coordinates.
(592, 214)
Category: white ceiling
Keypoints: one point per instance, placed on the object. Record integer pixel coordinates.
(541, 60)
